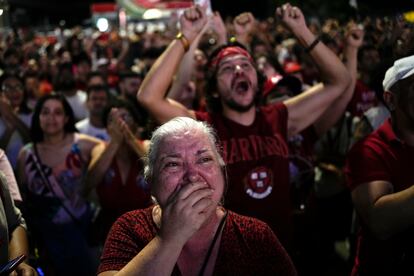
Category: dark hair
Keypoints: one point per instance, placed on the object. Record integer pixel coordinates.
(69, 43)
(82, 57)
(365, 48)
(95, 74)
(31, 74)
(214, 103)
(10, 52)
(9, 75)
(120, 103)
(92, 88)
(272, 60)
(61, 84)
(36, 131)
(23, 108)
(129, 74)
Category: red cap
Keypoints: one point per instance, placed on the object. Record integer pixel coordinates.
(291, 67)
(271, 83)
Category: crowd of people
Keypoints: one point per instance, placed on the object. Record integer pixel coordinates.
(214, 147)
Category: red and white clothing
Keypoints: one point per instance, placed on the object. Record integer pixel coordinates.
(382, 156)
(60, 230)
(257, 162)
(363, 99)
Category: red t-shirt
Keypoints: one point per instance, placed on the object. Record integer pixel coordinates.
(247, 246)
(117, 198)
(257, 166)
(382, 156)
(363, 99)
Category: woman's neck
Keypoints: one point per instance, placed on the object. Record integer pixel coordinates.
(209, 228)
(55, 139)
(199, 254)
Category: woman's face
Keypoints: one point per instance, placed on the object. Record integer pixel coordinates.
(14, 91)
(185, 159)
(52, 117)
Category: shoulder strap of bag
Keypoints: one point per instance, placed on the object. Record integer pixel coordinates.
(39, 167)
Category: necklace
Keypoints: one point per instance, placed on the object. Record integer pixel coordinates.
(213, 243)
(156, 214)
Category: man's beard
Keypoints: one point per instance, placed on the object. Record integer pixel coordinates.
(241, 108)
(238, 107)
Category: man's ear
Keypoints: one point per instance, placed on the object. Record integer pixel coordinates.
(390, 100)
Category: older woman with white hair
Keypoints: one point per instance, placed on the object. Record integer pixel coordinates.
(187, 231)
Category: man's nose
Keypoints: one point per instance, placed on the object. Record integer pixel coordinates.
(237, 69)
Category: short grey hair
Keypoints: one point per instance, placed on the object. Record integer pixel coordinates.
(178, 125)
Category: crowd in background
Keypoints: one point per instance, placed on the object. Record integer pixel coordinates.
(75, 134)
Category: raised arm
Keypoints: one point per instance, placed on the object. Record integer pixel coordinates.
(186, 67)
(102, 155)
(244, 25)
(12, 123)
(306, 108)
(139, 147)
(386, 213)
(155, 85)
(353, 41)
(183, 76)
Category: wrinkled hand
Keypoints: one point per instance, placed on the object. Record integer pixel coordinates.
(186, 210)
(24, 270)
(354, 36)
(114, 126)
(292, 17)
(244, 23)
(192, 21)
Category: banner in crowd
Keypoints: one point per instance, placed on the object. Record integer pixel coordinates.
(137, 8)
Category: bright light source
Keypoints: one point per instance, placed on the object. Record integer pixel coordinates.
(152, 14)
(1, 12)
(140, 27)
(102, 24)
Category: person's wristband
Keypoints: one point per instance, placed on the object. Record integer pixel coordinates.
(184, 41)
(312, 45)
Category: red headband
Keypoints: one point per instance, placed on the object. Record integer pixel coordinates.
(229, 51)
